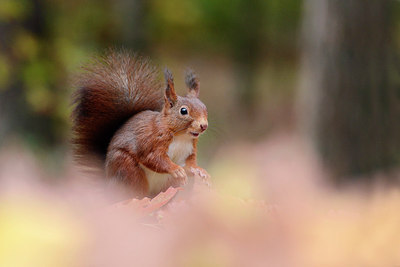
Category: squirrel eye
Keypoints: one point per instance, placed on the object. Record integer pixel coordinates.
(184, 111)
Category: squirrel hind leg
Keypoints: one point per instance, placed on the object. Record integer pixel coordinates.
(121, 167)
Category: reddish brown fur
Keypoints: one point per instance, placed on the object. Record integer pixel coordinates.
(128, 171)
(119, 108)
(107, 96)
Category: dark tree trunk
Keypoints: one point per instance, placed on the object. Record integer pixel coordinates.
(348, 99)
(246, 51)
(16, 116)
(133, 23)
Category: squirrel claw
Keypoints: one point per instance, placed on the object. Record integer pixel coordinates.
(180, 174)
(203, 174)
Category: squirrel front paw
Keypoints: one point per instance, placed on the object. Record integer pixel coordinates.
(202, 173)
(179, 174)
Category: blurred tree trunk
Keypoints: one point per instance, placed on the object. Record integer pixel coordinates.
(348, 100)
(132, 19)
(246, 51)
(17, 117)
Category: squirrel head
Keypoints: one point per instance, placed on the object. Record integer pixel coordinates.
(185, 114)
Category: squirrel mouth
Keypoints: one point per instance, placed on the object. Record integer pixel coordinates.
(194, 134)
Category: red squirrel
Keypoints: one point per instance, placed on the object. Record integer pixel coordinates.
(143, 135)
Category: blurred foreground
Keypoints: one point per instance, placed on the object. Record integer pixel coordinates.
(269, 205)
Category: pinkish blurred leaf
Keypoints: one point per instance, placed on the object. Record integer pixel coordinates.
(146, 205)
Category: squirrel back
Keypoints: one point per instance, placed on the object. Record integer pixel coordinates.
(112, 88)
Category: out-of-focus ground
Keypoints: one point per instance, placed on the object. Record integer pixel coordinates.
(269, 206)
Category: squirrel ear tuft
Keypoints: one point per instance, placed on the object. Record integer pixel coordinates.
(170, 94)
(192, 83)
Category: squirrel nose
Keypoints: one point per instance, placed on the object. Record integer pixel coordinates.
(203, 127)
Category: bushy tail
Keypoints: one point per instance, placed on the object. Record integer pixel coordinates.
(111, 89)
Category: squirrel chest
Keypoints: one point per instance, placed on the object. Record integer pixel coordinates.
(178, 151)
